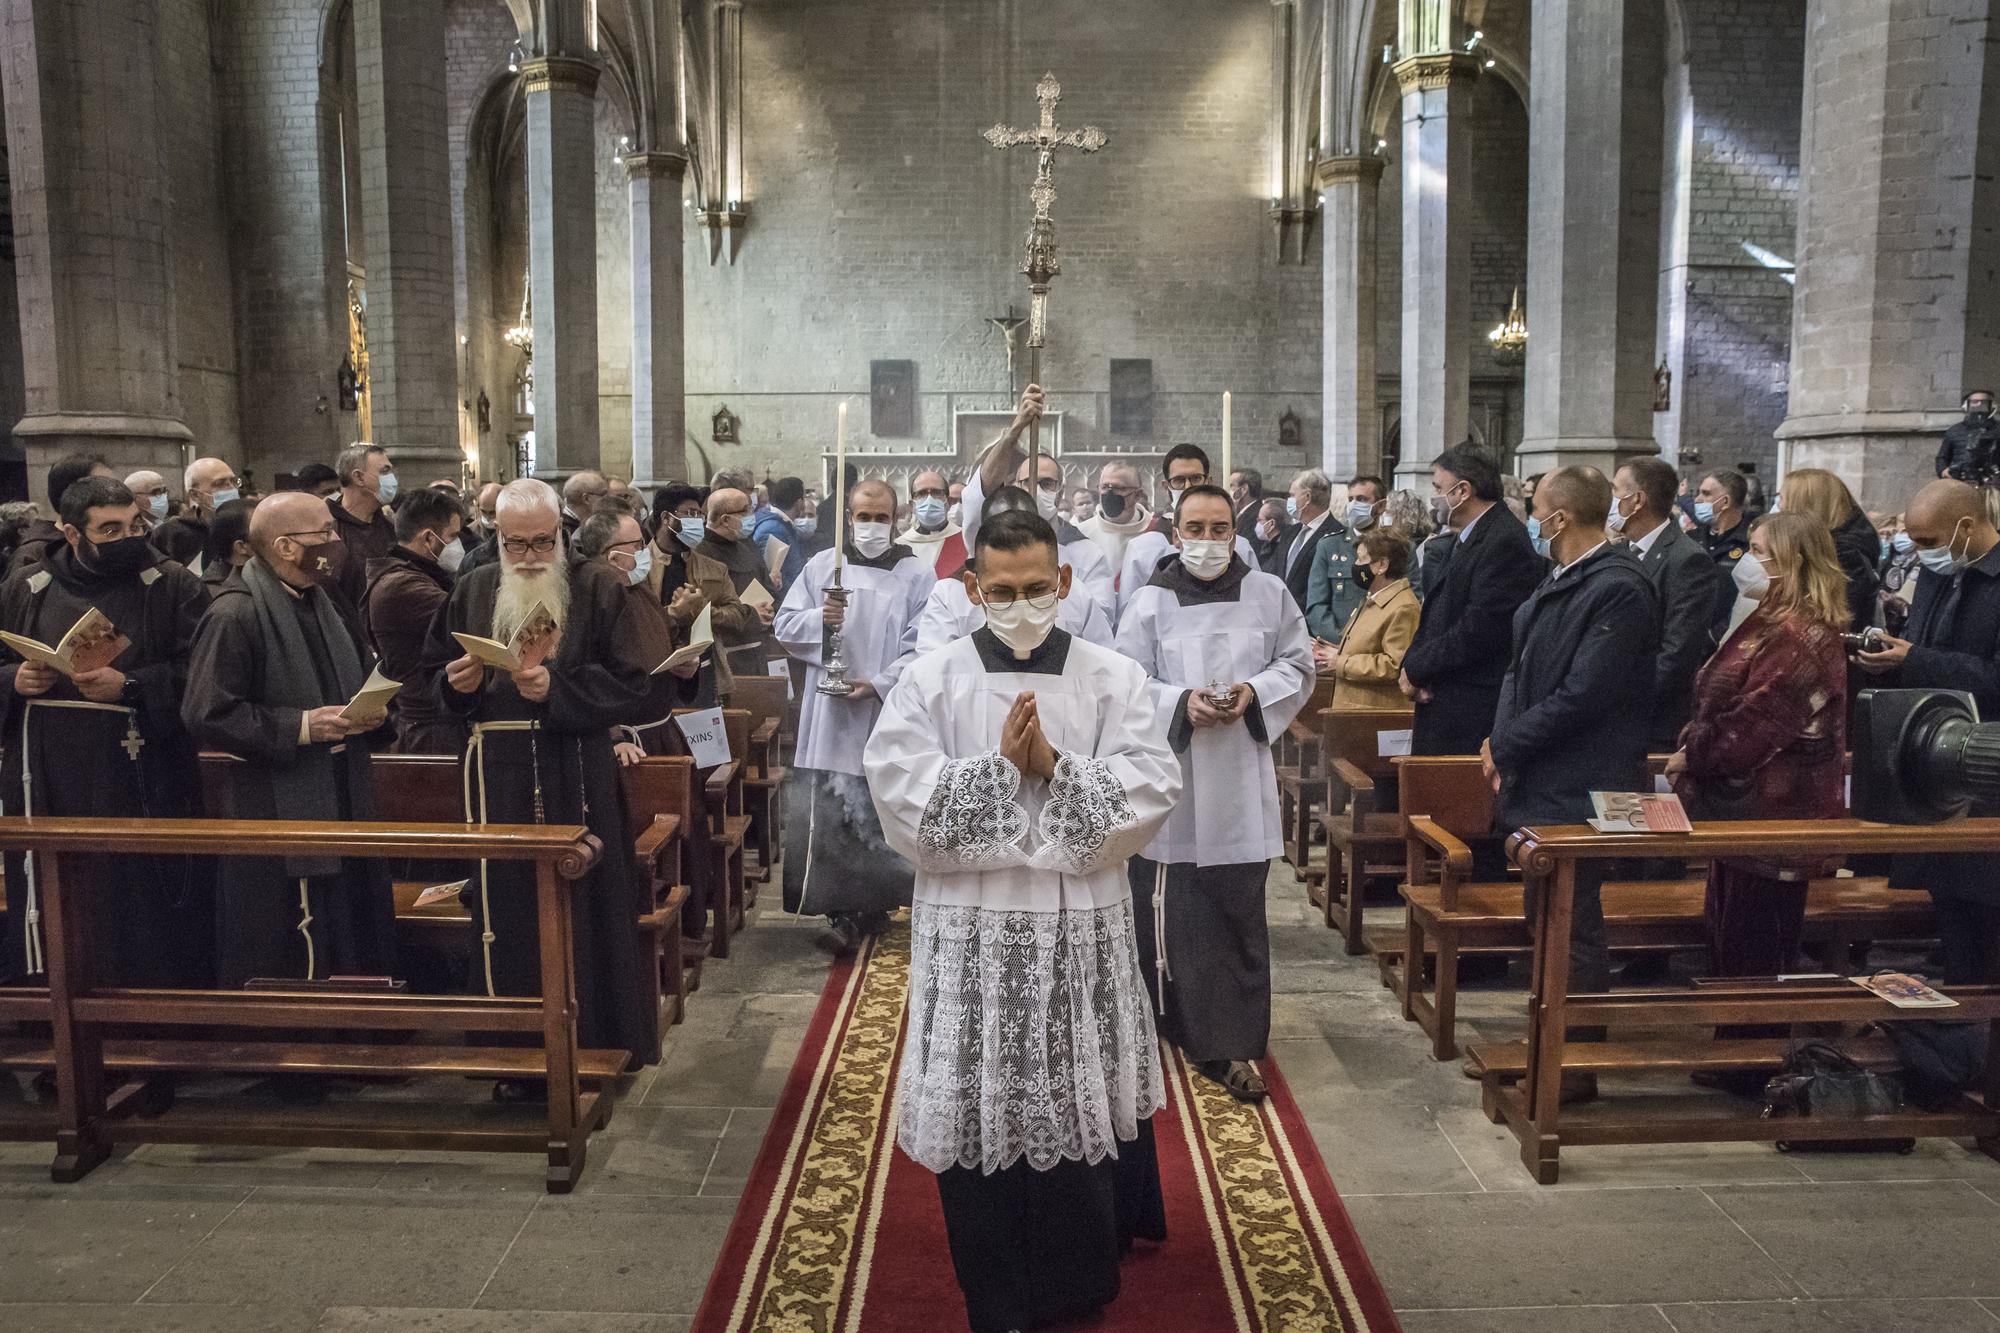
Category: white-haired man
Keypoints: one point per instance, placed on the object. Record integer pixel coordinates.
(540, 752)
(206, 485)
(149, 489)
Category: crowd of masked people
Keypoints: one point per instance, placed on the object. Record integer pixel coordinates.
(1563, 628)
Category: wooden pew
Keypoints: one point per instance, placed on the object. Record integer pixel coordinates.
(765, 699)
(99, 1030)
(660, 802)
(1302, 779)
(1524, 1093)
(1360, 834)
(715, 842)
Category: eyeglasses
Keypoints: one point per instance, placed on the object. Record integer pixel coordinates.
(1041, 601)
(522, 545)
(1179, 484)
(328, 533)
(213, 482)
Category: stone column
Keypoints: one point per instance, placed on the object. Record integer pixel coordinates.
(1595, 145)
(659, 369)
(562, 259)
(90, 199)
(1894, 317)
(1437, 257)
(1353, 438)
(399, 64)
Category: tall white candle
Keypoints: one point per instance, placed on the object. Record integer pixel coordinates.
(1223, 480)
(840, 486)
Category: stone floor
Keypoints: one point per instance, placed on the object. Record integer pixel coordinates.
(1726, 1239)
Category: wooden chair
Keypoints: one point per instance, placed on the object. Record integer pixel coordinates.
(716, 840)
(1301, 779)
(658, 809)
(1360, 835)
(765, 699)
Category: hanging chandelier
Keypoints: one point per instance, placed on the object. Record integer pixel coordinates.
(1510, 337)
(522, 336)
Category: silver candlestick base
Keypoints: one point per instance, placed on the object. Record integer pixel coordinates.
(835, 681)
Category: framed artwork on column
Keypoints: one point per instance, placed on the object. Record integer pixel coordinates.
(892, 399)
(1131, 396)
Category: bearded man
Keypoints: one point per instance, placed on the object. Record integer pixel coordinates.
(540, 753)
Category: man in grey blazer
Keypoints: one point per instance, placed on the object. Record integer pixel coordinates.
(1688, 582)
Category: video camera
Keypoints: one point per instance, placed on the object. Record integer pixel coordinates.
(1923, 757)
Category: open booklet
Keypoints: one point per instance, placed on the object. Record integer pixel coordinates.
(701, 637)
(755, 594)
(92, 642)
(370, 703)
(531, 645)
(1638, 812)
(775, 552)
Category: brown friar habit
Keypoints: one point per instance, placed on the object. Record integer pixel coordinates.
(551, 763)
(151, 917)
(263, 655)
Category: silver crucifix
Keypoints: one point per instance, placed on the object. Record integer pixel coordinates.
(1040, 264)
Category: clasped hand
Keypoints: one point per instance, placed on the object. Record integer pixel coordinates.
(1202, 713)
(1021, 741)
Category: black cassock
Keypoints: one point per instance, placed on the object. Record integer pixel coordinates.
(151, 918)
(551, 763)
(278, 916)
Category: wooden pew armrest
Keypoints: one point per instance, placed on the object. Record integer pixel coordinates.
(1423, 831)
(664, 832)
(1360, 787)
(718, 783)
(761, 741)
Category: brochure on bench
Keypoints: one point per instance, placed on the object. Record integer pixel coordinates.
(1904, 991)
(1638, 812)
(92, 642)
(531, 645)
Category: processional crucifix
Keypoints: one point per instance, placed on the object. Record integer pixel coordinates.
(1040, 265)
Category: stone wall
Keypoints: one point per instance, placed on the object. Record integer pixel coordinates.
(1726, 312)
(882, 226)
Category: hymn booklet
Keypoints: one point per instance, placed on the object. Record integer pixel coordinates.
(92, 642)
(370, 703)
(1638, 812)
(531, 645)
(700, 639)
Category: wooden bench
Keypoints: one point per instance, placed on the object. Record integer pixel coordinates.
(96, 1031)
(660, 798)
(1447, 804)
(1521, 1085)
(716, 838)
(765, 699)
(1360, 835)
(1302, 778)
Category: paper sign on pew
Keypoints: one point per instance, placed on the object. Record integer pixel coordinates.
(1389, 744)
(707, 738)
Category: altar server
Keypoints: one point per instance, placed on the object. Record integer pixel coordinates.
(951, 613)
(1018, 768)
(836, 863)
(1230, 664)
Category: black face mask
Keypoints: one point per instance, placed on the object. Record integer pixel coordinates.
(1364, 577)
(115, 559)
(1978, 414)
(1111, 504)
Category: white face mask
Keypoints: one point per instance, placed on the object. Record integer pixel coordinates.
(1752, 579)
(450, 556)
(1359, 513)
(1615, 520)
(871, 539)
(1045, 504)
(642, 565)
(1206, 559)
(1021, 625)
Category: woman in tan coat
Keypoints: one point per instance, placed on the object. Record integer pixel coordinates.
(1369, 658)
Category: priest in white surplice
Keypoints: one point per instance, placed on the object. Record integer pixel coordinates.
(1019, 767)
(1207, 624)
(835, 862)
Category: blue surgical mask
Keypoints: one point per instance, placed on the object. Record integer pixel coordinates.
(806, 525)
(1535, 536)
(930, 511)
(157, 506)
(1939, 560)
(692, 530)
(1887, 547)
(385, 487)
(1704, 511)
(1903, 543)
(1359, 513)
(642, 565)
(217, 499)
(1292, 508)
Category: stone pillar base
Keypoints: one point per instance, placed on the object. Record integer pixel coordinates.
(127, 443)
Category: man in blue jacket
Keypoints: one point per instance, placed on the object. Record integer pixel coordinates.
(1573, 712)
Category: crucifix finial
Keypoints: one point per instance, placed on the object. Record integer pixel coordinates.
(1041, 265)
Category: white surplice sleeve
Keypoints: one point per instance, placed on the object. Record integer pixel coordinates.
(944, 815)
(796, 623)
(1103, 808)
(1139, 639)
(914, 581)
(1285, 683)
(1089, 570)
(940, 621)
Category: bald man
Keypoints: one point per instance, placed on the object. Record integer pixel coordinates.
(1953, 643)
(274, 664)
(744, 634)
(1004, 461)
(836, 861)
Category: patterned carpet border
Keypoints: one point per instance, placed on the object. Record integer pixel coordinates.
(838, 1232)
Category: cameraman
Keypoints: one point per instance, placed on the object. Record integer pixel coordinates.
(1969, 447)
(1953, 644)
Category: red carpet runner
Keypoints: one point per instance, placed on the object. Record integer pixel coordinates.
(840, 1233)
